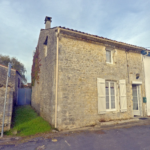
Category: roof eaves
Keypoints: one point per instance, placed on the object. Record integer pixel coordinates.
(7, 67)
(11, 69)
(99, 37)
(103, 38)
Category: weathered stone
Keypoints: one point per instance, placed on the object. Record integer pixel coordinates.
(80, 62)
(8, 107)
(54, 131)
(11, 94)
(14, 132)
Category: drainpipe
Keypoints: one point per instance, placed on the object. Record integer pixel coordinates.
(127, 66)
(57, 34)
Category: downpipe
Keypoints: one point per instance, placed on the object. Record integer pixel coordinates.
(57, 34)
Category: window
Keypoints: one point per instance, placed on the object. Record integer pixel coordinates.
(108, 56)
(45, 46)
(107, 96)
(110, 95)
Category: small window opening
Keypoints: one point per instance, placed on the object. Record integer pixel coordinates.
(46, 41)
(108, 56)
(45, 46)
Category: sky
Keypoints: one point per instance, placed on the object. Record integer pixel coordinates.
(21, 20)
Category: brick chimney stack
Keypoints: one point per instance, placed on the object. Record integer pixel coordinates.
(48, 21)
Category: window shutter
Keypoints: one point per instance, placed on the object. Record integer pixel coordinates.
(123, 98)
(101, 96)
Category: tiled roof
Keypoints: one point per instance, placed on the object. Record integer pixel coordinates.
(7, 67)
(100, 37)
(11, 69)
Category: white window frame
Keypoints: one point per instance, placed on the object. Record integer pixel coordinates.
(111, 53)
(110, 96)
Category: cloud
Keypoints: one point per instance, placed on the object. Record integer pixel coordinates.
(21, 21)
(18, 38)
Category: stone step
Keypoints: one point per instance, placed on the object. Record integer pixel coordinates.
(117, 122)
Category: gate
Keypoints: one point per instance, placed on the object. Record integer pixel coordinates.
(24, 96)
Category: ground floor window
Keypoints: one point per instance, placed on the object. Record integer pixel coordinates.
(110, 95)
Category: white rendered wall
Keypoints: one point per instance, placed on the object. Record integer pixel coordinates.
(147, 81)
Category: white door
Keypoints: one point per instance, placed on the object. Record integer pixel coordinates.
(136, 99)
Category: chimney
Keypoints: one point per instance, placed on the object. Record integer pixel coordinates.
(48, 22)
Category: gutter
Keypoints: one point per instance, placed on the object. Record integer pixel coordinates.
(102, 39)
(57, 34)
(7, 67)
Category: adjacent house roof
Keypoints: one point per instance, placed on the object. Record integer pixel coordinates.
(147, 53)
(100, 38)
(11, 69)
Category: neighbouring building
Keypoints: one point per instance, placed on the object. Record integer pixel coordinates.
(146, 58)
(24, 94)
(85, 79)
(14, 83)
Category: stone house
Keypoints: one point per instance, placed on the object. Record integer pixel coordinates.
(85, 79)
(14, 83)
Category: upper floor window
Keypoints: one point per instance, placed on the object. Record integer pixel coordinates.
(108, 56)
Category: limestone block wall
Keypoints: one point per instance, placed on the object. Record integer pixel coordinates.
(9, 107)
(81, 62)
(43, 94)
(12, 82)
(3, 77)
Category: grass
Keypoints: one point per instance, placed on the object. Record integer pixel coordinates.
(27, 122)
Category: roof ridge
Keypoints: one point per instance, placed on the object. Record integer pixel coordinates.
(119, 42)
(102, 37)
(7, 67)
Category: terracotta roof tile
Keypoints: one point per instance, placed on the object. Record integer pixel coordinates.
(11, 69)
(118, 42)
(102, 38)
(7, 67)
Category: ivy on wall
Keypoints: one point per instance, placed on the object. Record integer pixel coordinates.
(35, 67)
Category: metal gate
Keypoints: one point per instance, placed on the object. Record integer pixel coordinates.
(24, 96)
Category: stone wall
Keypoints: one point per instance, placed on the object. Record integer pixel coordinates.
(12, 82)
(3, 76)
(9, 107)
(43, 94)
(11, 96)
(81, 62)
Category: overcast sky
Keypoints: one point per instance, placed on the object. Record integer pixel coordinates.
(21, 20)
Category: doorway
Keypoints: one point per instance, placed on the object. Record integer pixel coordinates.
(136, 93)
(24, 96)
